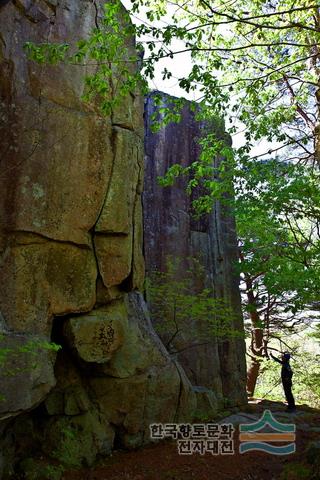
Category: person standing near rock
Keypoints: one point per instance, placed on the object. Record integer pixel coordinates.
(286, 378)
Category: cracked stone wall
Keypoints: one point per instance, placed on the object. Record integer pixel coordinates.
(71, 263)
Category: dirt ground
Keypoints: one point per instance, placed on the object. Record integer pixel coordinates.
(161, 461)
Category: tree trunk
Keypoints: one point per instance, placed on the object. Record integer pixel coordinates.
(257, 345)
(254, 368)
(252, 376)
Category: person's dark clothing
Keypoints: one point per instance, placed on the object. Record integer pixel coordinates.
(288, 393)
(286, 377)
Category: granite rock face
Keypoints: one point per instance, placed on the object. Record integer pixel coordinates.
(66, 218)
(71, 262)
(172, 231)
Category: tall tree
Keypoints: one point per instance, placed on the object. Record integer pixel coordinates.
(279, 253)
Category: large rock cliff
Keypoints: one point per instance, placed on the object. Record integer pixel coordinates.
(71, 261)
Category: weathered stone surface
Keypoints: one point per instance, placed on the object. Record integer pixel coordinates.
(141, 348)
(106, 295)
(145, 385)
(133, 403)
(75, 441)
(60, 165)
(69, 396)
(25, 361)
(54, 403)
(208, 404)
(17, 434)
(76, 400)
(114, 255)
(122, 189)
(76, 432)
(138, 264)
(231, 350)
(43, 279)
(128, 113)
(187, 402)
(97, 335)
(211, 240)
(68, 21)
(118, 245)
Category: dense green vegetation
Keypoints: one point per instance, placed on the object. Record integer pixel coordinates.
(179, 304)
(306, 379)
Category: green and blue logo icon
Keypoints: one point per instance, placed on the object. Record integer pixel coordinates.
(252, 438)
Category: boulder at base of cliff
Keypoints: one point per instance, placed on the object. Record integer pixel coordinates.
(25, 360)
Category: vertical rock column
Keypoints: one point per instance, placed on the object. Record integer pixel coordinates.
(171, 230)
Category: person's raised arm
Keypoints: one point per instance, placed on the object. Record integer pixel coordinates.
(275, 358)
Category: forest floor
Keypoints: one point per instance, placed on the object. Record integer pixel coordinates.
(161, 461)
